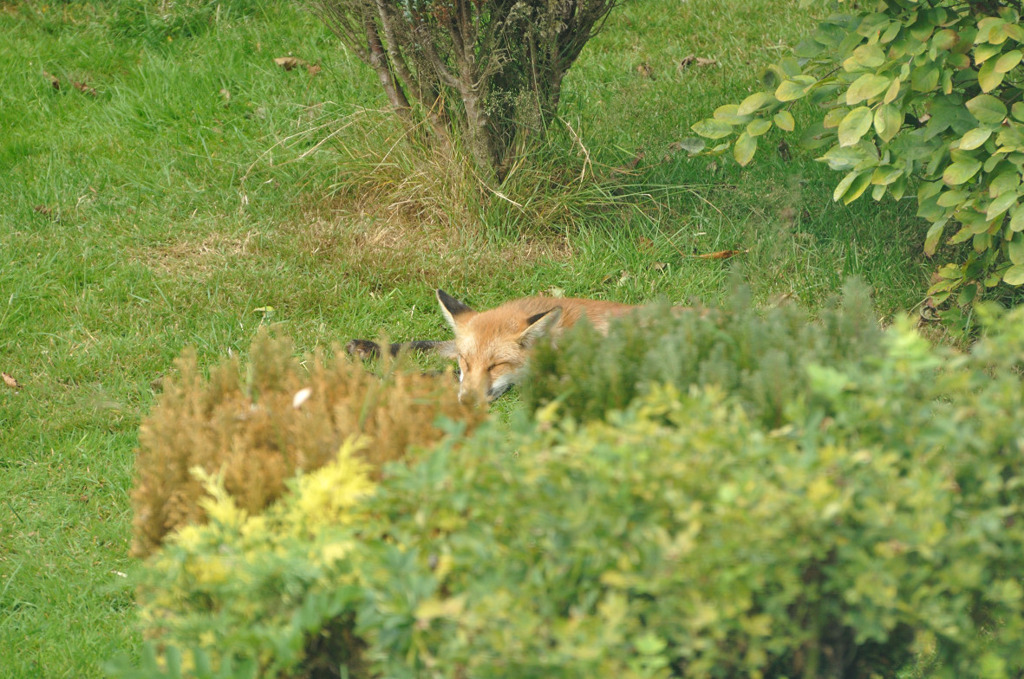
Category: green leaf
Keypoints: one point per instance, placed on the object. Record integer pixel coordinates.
(790, 90)
(758, 126)
(712, 129)
(1015, 248)
(744, 149)
(1000, 205)
(866, 87)
(983, 53)
(888, 120)
(931, 240)
(987, 109)
(844, 157)
(1018, 111)
(893, 91)
(952, 198)
(844, 185)
(975, 138)
(883, 176)
(834, 116)
(868, 56)
(961, 171)
(859, 183)
(899, 187)
(1014, 275)
(784, 121)
(1003, 182)
(967, 295)
(924, 78)
(1008, 61)
(729, 113)
(988, 77)
(1017, 219)
(753, 103)
(988, 30)
(854, 125)
(1014, 32)
(946, 39)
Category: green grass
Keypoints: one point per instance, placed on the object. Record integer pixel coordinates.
(186, 202)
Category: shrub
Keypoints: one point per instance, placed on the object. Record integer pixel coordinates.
(880, 527)
(285, 416)
(487, 69)
(759, 357)
(683, 538)
(924, 90)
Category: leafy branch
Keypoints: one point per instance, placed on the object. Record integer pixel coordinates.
(916, 95)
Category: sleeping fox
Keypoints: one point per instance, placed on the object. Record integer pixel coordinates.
(493, 347)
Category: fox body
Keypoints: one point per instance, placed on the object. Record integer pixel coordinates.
(493, 347)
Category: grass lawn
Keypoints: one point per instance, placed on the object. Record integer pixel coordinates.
(163, 183)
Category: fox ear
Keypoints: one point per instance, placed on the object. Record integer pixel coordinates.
(539, 325)
(451, 307)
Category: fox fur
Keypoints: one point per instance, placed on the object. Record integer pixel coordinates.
(493, 347)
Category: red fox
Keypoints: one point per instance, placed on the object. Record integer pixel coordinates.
(493, 347)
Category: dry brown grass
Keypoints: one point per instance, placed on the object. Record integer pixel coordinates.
(260, 426)
(412, 252)
(197, 258)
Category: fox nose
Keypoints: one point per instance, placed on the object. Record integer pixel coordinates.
(472, 397)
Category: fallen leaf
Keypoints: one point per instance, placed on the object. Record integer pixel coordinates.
(83, 88)
(53, 80)
(227, 96)
(10, 381)
(43, 210)
(645, 70)
(721, 254)
(659, 266)
(288, 63)
(313, 69)
(694, 60)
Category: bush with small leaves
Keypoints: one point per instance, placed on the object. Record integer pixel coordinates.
(758, 356)
(880, 530)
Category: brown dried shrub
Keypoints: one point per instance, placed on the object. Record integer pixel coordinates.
(255, 431)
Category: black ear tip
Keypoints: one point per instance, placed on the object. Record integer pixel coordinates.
(454, 306)
(555, 310)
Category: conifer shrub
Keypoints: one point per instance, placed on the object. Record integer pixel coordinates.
(760, 357)
(877, 532)
(259, 427)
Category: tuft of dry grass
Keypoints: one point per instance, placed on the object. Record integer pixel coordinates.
(196, 259)
(260, 426)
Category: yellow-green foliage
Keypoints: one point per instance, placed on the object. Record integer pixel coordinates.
(260, 582)
(285, 416)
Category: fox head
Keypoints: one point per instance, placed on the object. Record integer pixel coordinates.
(492, 347)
